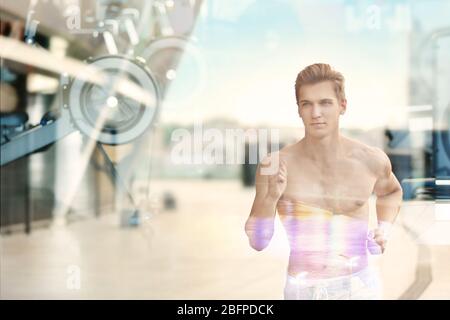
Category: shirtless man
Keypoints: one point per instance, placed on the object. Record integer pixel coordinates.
(321, 191)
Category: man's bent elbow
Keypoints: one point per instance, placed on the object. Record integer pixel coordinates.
(259, 240)
(259, 232)
(399, 196)
(259, 245)
(258, 248)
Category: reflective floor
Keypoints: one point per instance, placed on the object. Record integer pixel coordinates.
(200, 251)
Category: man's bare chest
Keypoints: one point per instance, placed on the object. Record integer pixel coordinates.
(344, 188)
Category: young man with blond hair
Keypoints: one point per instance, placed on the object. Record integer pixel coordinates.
(321, 191)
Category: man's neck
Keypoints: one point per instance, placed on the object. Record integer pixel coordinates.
(325, 150)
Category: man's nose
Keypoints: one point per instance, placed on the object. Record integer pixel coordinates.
(316, 111)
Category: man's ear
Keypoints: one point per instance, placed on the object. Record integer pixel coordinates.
(343, 104)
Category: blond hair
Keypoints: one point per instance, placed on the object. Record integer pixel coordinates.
(319, 72)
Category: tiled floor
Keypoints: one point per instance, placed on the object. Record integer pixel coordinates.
(198, 251)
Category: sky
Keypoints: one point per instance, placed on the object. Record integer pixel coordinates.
(249, 52)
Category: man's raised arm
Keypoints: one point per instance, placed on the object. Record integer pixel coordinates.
(269, 188)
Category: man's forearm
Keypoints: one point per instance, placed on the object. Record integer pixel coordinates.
(260, 225)
(388, 206)
(264, 207)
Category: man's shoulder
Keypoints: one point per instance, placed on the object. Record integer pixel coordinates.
(289, 149)
(291, 154)
(282, 155)
(374, 157)
(360, 148)
(285, 152)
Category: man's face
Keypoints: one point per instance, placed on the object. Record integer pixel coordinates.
(320, 109)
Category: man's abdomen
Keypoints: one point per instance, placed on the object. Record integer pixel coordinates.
(323, 244)
(322, 264)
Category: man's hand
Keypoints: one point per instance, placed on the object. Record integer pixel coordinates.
(377, 239)
(277, 182)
